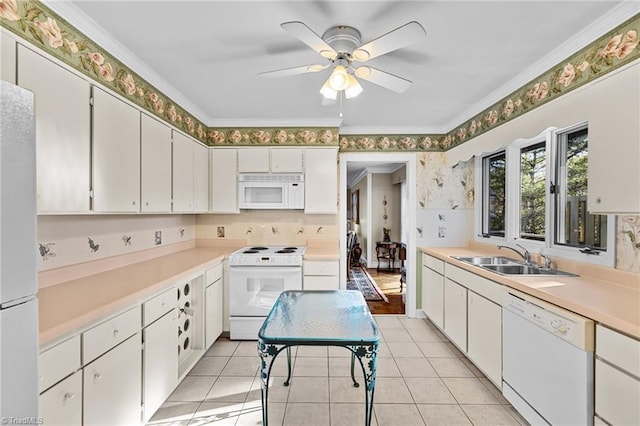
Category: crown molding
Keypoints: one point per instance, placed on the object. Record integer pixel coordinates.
(374, 130)
(261, 122)
(616, 16)
(92, 30)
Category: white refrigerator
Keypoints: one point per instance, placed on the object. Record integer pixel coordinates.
(18, 278)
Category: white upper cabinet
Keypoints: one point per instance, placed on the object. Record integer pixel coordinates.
(8, 47)
(253, 160)
(200, 178)
(287, 160)
(183, 149)
(156, 166)
(614, 147)
(63, 138)
(321, 181)
(224, 180)
(116, 154)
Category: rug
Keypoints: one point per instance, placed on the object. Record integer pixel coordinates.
(361, 280)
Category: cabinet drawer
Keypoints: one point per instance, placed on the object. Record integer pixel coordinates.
(321, 283)
(617, 395)
(58, 362)
(618, 349)
(321, 268)
(103, 337)
(482, 286)
(213, 274)
(159, 305)
(62, 404)
(433, 263)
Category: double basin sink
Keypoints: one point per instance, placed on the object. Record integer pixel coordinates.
(507, 266)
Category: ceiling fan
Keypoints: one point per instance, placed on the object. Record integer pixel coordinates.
(341, 46)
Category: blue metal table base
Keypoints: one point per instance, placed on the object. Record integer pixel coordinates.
(366, 355)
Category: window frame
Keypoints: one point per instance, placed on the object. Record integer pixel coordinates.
(512, 204)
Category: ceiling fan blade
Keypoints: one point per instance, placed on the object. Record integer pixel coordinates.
(293, 71)
(308, 37)
(383, 79)
(402, 36)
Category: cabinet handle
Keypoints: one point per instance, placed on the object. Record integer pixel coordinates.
(134, 203)
(598, 200)
(97, 376)
(68, 396)
(115, 332)
(146, 204)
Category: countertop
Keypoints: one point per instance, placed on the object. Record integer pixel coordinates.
(615, 304)
(322, 253)
(71, 306)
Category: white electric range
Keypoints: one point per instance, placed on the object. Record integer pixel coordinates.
(257, 276)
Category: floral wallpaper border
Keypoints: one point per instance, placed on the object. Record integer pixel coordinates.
(36, 23)
(273, 136)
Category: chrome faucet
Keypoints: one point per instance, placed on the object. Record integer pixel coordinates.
(525, 254)
(547, 261)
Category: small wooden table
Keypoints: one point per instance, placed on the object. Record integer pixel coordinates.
(320, 318)
(386, 252)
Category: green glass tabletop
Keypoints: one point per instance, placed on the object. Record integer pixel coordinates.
(320, 317)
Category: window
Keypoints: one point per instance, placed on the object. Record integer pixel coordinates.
(575, 226)
(535, 192)
(533, 174)
(493, 210)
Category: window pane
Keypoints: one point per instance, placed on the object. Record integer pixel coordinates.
(576, 227)
(532, 191)
(494, 198)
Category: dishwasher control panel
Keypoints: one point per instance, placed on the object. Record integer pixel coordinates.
(563, 324)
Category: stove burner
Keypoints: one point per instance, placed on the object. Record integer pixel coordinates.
(250, 251)
(285, 251)
(258, 248)
(291, 248)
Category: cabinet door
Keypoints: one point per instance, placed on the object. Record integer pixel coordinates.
(156, 166)
(182, 173)
(116, 154)
(433, 296)
(485, 336)
(63, 133)
(617, 395)
(613, 174)
(213, 314)
(224, 180)
(160, 361)
(8, 48)
(455, 313)
(321, 181)
(62, 404)
(286, 160)
(200, 178)
(113, 386)
(253, 160)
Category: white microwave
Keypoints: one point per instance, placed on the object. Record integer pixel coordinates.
(271, 191)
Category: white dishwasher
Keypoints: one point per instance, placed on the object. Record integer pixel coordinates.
(547, 362)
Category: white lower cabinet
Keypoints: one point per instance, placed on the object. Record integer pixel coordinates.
(433, 296)
(213, 312)
(455, 313)
(484, 336)
(321, 275)
(62, 404)
(160, 362)
(113, 386)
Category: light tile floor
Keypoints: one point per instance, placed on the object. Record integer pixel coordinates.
(422, 379)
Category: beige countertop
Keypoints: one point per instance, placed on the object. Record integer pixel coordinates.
(322, 253)
(606, 295)
(73, 305)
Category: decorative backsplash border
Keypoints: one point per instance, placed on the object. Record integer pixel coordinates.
(36, 23)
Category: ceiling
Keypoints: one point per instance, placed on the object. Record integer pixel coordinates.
(206, 55)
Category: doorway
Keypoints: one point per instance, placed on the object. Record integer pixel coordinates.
(381, 163)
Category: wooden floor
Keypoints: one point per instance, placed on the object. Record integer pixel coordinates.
(389, 283)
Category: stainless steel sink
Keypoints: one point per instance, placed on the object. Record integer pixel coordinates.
(519, 269)
(488, 260)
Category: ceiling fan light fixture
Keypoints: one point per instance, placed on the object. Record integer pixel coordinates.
(328, 54)
(353, 88)
(360, 55)
(327, 91)
(339, 78)
(315, 68)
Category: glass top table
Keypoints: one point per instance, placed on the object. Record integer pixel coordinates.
(320, 318)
